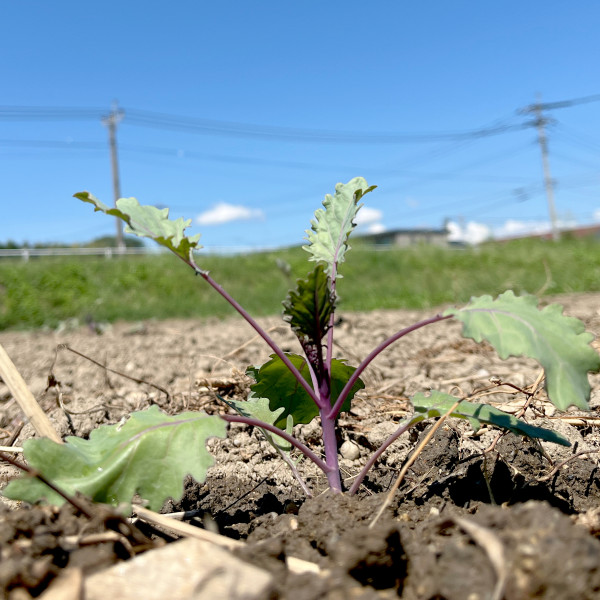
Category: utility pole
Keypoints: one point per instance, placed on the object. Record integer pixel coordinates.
(111, 121)
(540, 123)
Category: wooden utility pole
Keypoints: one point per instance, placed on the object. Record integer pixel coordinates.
(111, 121)
(540, 123)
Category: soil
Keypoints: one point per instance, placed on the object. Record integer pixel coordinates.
(478, 516)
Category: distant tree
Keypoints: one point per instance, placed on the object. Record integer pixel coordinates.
(10, 245)
(50, 245)
(110, 241)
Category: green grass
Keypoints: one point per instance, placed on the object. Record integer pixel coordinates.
(48, 290)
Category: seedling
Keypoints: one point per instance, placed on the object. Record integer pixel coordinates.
(151, 453)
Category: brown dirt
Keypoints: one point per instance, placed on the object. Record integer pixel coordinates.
(463, 525)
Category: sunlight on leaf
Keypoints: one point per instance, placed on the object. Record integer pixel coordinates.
(331, 227)
(150, 454)
(151, 222)
(516, 327)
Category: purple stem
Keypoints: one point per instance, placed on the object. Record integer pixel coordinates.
(329, 357)
(329, 438)
(263, 334)
(374, 457)
(282, 434)
(331, 453)
(365, 363)
(327, 422)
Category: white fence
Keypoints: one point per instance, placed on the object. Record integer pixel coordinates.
(26, 253)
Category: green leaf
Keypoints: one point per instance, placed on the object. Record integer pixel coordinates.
(516, 327)
(308, 309)
(151, 222)
(331, 227)
(150, 454)
(275, 382)
(258, 408)
(438, 404)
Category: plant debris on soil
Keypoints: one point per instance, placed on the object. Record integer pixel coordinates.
(478, 516)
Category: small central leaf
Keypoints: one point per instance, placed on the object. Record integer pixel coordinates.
(308, 310)
(275, 382)
(328, 236)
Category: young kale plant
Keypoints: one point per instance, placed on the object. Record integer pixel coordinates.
(151, 453)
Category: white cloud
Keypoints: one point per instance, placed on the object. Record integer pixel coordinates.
(367, 215)
(455, 231)
(223, 212)
(596, 215)
(376, 228)
(471, 233)
(515, 228)
(475, 233)
(369, 220)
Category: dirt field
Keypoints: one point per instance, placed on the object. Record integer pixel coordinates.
(512, 522)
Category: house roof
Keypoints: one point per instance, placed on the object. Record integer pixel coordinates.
(393, 232)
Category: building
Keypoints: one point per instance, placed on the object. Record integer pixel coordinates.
(403, 238)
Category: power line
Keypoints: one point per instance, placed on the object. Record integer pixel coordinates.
(518, 195)
(445, 149)
(540, 122)
(573, 182)
(49, 113)
(417, 178)
(184, 154)
(577, 138)
(181, 153)
(500, 198)
(52, 144)
(193, 125)
(235, 129)
(575, 160)
(565, 103)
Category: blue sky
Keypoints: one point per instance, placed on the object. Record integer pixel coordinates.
(289, 98)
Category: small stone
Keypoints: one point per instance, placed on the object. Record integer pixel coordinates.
(188, 569)
(349, 450)
(380, 432)
(67, 586)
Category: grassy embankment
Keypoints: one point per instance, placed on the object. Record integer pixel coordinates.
(48, 290)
